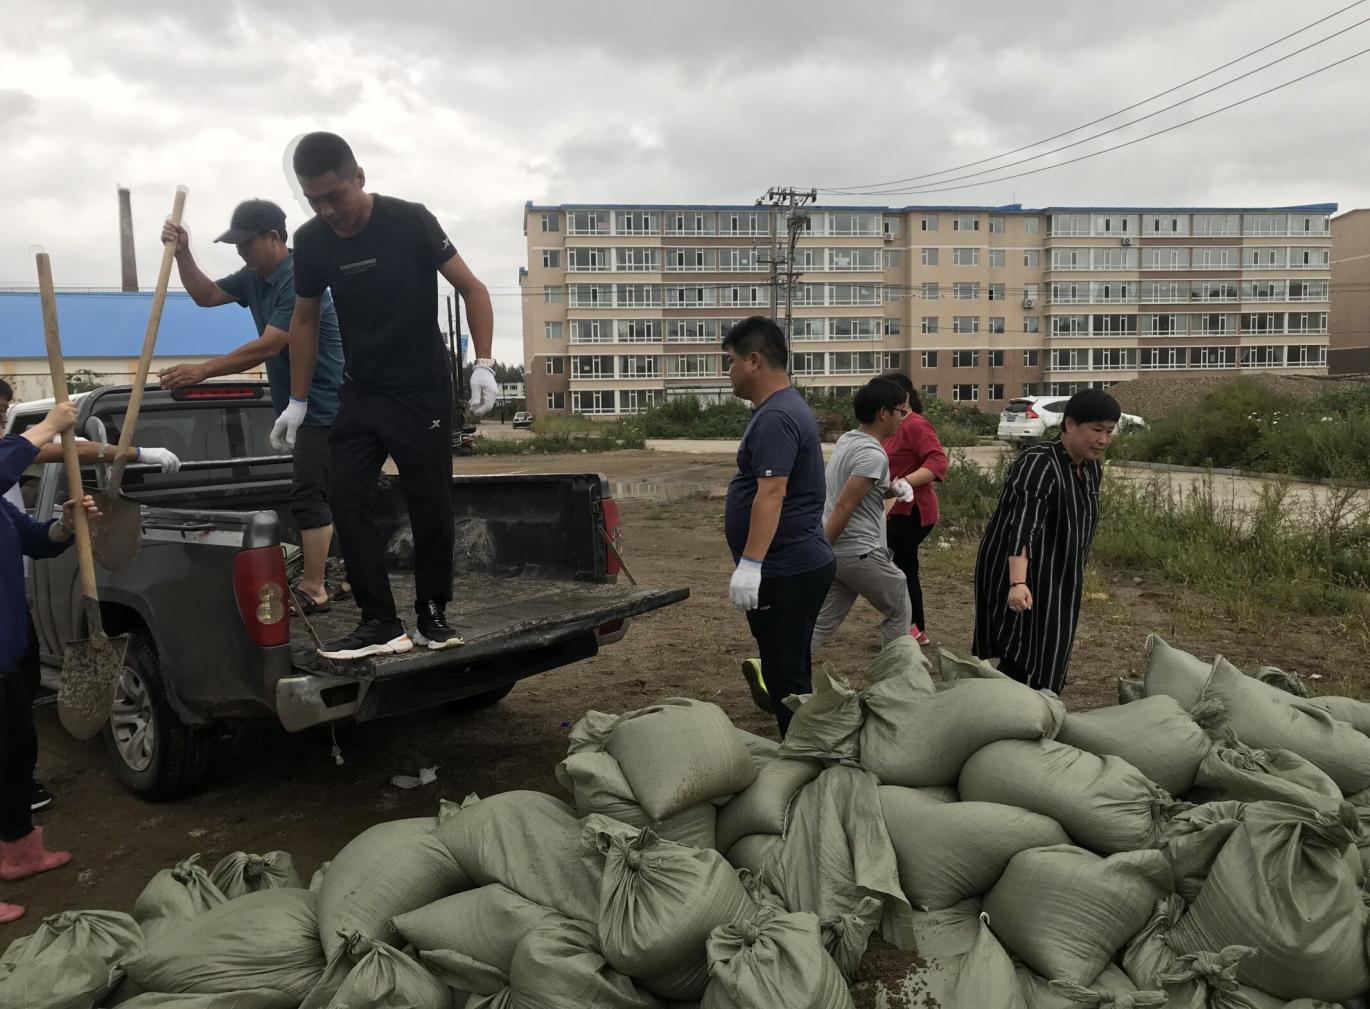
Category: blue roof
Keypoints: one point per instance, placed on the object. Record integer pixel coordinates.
(112, 324)
(1008, 208)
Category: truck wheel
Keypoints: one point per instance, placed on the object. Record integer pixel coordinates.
(478, 701)
(156, 755)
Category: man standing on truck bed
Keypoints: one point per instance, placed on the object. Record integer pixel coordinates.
(266, 286)
(380, 257)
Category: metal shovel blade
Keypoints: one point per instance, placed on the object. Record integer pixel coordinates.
(90, 675)
(116, 537)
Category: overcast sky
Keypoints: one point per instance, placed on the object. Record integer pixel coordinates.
(475, 108)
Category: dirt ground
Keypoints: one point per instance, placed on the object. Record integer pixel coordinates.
(278, 791)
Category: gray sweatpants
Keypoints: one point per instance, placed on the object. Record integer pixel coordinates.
(875, 578)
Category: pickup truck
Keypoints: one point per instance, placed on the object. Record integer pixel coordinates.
(213, 642)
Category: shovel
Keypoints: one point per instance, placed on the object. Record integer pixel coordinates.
(120, 532)
(90, 666)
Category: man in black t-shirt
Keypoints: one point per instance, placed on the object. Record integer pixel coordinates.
(380, 257)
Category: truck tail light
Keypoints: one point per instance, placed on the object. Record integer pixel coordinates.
(259, 585)
(614, 531)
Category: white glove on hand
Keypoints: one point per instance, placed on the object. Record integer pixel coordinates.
(162, 457)
(903, 490)
(745, 588)
(484, 389)
(287, 424)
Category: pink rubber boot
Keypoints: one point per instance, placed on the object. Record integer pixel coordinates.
(27, 856)
(10, 912)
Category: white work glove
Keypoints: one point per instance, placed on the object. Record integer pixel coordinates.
(484, 388)
(161, 457)
(745, 588)
(903, 490)
(283, 434)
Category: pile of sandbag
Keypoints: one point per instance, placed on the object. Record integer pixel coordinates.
(960, 842)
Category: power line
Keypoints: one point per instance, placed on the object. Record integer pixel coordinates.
(1111, 115)
(1127, 143)
(1131, 122)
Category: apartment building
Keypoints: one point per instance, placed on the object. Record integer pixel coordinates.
(624, 306)
(1349, 351)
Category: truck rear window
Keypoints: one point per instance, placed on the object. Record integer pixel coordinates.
(200, 433)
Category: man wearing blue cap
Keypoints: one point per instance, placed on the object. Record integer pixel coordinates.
(266, 286)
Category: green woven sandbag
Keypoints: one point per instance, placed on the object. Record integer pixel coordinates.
(1193, 981)
(1283, 885)
(1264, 717)
(1174, 672)
(1192, 840)
(948, 852)
(597, 785)
(1235, 771)
(925, 739)
(268, 939)
(1110, 990)
(827, 723)
(468, 938)
(66, 963)
(562, 967)
(658, 903)
(1065, 911)
(1154, 735)
(175, 896)
(1104, 803)
(252, 998)
(238, 873)
(773, 959)
(957, 665)
(384, 871)
(1346, 709)
(374, 974)
(764, 806)
(531, 843)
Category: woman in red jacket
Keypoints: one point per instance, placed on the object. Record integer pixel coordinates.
(916, 455)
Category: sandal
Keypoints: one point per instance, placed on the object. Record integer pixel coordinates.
(337, 590)
(305, 604)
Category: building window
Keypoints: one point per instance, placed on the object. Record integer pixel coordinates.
(996, 360)
(965, 324)
(996, 257)
(930, 292)
(965, 394)
(1032, 257)
(591, 401)
(996, 292)
(551, 259)
(553, 330)
(929, 324)
(551, 295)
(556, 366)
(556, 401)
(996, 324)
(965, 222)
(894, 259)
(996, 225)
(929, 392)
(1031, 358)
(930, 256)
(966, 256)
(1032, 225)
(892, 327)
(965, 358)
(929, 359)
(928, 222)
(1032, 324)
(1032, 388)
(551, 222)
(996, 392)
(965, 291)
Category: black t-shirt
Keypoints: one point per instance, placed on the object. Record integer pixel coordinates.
(385, 287)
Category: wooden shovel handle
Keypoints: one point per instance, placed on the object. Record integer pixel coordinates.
(58, 368)
(135, 399)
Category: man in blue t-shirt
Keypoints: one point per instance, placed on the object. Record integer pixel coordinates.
(266, 286)
(773, 518)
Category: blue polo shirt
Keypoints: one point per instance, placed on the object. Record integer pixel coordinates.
(272, 302)
(781, 440)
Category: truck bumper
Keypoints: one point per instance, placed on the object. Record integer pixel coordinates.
(313, 699)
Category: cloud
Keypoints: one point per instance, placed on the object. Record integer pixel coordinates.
(475, 108)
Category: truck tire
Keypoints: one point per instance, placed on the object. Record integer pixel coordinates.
(478, 701)
(156, 755)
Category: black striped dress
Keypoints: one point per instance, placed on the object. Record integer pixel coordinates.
(1049, 506)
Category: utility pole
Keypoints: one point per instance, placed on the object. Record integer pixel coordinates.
(787, 203)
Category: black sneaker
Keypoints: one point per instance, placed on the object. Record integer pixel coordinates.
(432, 630)
(39, 798)
(372, 637)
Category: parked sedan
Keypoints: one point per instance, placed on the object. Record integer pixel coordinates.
(1028, 418)
(523, 419)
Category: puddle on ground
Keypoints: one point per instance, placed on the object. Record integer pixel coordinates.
(666, 490)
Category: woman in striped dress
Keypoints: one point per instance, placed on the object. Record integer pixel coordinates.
(1030, 571)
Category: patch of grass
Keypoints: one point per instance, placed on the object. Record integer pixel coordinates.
(1279, 557)
(556, 444)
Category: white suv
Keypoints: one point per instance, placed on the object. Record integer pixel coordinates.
(1027, 419)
